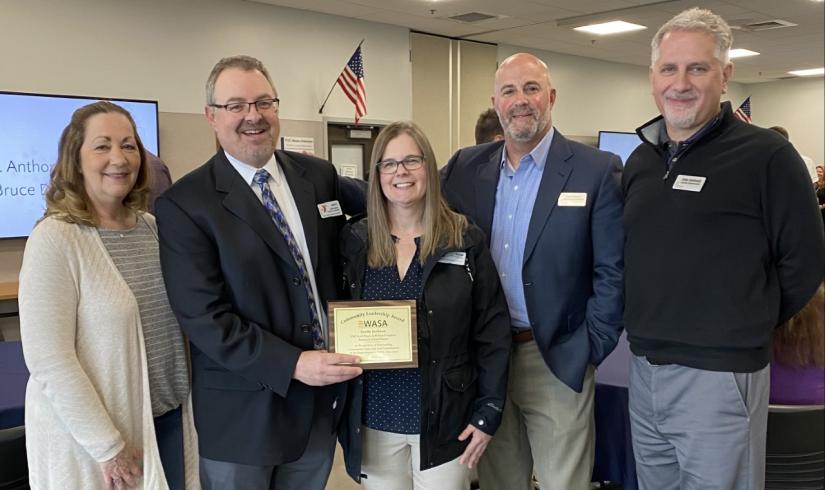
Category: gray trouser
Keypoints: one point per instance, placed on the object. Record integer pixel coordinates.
(695, 429)
(309, 472)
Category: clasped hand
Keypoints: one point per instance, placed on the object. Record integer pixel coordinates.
(124, 470)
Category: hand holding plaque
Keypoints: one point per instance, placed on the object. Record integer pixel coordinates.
(382, 333)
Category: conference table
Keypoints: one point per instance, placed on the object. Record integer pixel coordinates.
(13, 378)
(614, 453)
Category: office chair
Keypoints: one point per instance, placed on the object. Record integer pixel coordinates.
(14, 472)
(795, 456)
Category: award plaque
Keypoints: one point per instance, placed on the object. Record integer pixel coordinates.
(382, 333)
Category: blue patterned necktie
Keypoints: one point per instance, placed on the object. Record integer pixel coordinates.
(262, 179)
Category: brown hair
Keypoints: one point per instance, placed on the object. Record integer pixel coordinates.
(442, 226)
(800, 342)
(488, 126)
(241, 62)
(66, 196)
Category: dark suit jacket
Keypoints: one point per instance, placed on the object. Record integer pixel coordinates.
(573, 265)
(239, 298)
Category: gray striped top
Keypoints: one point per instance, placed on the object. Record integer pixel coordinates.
(135, 254)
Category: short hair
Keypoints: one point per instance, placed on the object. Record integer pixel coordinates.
(488, 126)
(442, 226)
(242, 62)
(800, 341)
(66, 196)
(781, 130)
(696, 20)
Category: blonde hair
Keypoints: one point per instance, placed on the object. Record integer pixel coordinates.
(66, 196)
(442, 226)
(800, 341)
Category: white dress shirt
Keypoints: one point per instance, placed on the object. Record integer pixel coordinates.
(280, 189)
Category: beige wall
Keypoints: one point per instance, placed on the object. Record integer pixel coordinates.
(164, 50)
(799, 106)
(478, 65)
(431, 66)
(452, 82)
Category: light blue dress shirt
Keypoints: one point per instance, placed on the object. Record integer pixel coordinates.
(515, 197)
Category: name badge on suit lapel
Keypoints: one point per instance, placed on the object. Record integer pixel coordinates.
(330, 209)
(573, 199)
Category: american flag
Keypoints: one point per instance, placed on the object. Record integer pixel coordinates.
(744, 111)
(351, 81)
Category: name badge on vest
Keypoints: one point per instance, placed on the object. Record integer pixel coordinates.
(690, 183)
(454, 258)
(573, 199)
(330, 209)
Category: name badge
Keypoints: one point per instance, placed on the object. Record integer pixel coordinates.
(454, 258)
(690, 183)
(330, 209)
(573, 199)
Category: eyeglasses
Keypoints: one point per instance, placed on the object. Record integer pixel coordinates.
(390, 166)
(261, 105)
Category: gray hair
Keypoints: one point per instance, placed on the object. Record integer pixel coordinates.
(696, 20)
(242, 62)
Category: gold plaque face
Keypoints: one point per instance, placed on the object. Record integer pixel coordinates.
(382, 333)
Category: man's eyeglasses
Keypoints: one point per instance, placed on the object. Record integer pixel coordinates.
(261, 105)
(390, 166)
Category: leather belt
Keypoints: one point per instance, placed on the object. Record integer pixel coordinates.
(523, 336)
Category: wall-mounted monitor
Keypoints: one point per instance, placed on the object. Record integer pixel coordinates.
(618, 142)
(30, 128)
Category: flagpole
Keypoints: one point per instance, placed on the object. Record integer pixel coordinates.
(321, 110)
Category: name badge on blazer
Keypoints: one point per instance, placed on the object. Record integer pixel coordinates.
(330, 209)
(573, 199)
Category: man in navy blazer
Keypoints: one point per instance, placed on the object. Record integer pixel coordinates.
(248, 285)
(552, 210)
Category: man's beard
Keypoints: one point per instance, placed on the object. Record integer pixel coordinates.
(523, 133)
(258, 154)
(684, 118)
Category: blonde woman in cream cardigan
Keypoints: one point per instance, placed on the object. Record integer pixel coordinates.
(107, 403)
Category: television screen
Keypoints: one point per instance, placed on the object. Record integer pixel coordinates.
(30, 128)
(620, 143)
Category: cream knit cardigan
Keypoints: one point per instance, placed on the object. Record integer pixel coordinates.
(88, 394)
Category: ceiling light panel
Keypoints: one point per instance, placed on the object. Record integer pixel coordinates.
(613, 27)
(742, 53)
(808, 73)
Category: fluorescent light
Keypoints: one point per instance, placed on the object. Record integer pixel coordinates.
(613, 27)
(742, 53)
(808, 73)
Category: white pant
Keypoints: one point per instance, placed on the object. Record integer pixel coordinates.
(393, 462)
